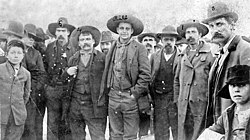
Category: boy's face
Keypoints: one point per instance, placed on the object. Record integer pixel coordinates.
(240, 93)
(15, 55)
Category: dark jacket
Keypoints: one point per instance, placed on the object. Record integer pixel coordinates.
(225, 122)
(238, 53)
(191, 86)
(138, 69)
(96, 71)
(14, 93)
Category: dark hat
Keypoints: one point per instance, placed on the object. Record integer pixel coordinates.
(16, 42)
(106, 36)
(169, 30)
(15, 28)
(61, 23)
(2, 36)
(192, 23)
(141, 36)
(218, 10)
(40, 33)
(238, 74)
(96, 34)
(137, 25)
(30, 29)
(182, 41)
(49, 34)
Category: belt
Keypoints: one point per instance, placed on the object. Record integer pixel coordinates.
(124, 90)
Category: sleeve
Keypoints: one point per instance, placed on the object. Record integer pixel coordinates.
(244, 55)
(27, 88)
(144, 76)
(176, 80)
(218, 126)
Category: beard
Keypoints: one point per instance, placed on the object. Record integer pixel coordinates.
(168, 48)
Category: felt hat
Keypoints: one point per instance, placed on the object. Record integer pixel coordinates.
(169, 31)
(218, 10)
(141, 36)
(14, 28)
(96, 34)
(137, 25)
(40, 33)
(61, 23)
(192, 23)
(30, 29)
(106, 36)
(238, 74)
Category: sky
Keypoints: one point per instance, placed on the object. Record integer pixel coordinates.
(155, 14)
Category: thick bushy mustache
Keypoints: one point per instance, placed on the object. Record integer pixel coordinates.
(217, 35)
(190, 39)
(61, 37)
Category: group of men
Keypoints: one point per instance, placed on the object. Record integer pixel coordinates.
(80, 86)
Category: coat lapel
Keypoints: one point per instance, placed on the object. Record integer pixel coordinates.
(186, 61)
(157, 62)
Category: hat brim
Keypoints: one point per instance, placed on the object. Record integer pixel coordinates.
(141, 36)
(233, 15)
(94, 32)
(52, 28)
(7, 32)
(36, 38)
(201, 28)
(137, 25)
(177, 36)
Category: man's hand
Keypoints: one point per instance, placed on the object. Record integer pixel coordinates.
(72, 70)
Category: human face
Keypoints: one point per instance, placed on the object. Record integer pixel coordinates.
(28, 41)
(240, 93)
(221, 30)
(124, 31)
(168, 43)
(86, 42)
(15, 55)
(149, 42)
(192, 35)
(62, 34)
(182, 47)
(105, 46)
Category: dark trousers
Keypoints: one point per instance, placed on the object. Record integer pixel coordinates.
(81, 114)
(33, 128)
(11, 131)
(165, 118)
(144, 124)
(57, 129)
(123, 115)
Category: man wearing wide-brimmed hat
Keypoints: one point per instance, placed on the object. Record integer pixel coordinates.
(14, 30)
(149, 40)
(126, 75)
(33, 62)
(163, 67)
(56, 59)
(235, 50)
(85, 69)
(190, 82)
(40, 45)
(106, 41)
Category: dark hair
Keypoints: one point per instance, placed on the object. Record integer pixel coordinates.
(85, 33)
(15, 43)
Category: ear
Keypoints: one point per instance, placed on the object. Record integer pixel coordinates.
(68, 32)
(132, 30)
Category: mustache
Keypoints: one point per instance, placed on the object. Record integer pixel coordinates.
(190, 39)
(148, 45)
(60, 37)
(86, 45)
(217, 35)
(168, 45)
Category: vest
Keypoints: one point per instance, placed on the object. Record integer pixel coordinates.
(164, 79)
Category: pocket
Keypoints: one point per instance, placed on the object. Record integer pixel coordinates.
(203, 58)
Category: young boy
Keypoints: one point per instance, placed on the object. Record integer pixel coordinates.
(14, 93)
(234, 122)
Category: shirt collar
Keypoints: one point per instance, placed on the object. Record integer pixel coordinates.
(94, 51)
(119, 44)
(225, 48)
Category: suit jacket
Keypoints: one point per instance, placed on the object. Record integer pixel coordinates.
(138, 68)
(95, 78)
(14, 93)
(238, 53)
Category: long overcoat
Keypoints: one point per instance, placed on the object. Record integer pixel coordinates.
(191, 88)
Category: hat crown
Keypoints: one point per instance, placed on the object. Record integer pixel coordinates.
(61, 21)
(16, 27)
(30, 28)
(106, 36)
(217, 8)
(238, 73)
(169, 29)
